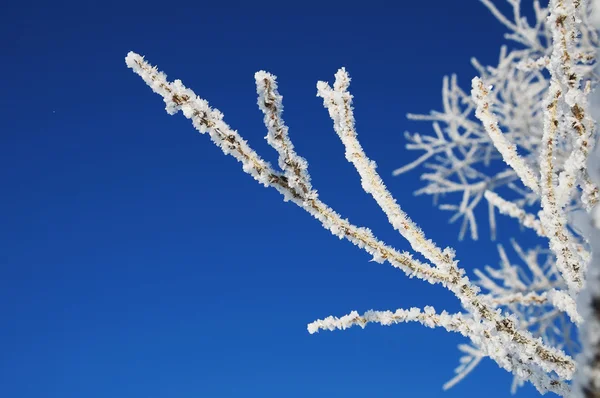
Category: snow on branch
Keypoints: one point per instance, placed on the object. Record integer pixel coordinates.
(428, 317)
(490, 344)
(525, 356)
(513, 210)
(270, 103)
(565, 16)
(339, 103)
(508, 150)
(209, 120)
(587, 379)
(538, 121)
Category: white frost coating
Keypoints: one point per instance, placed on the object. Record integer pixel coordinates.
(552, 129)
(428, 317)
(508, 150)
(553, 217)
(457, 153)
(514, 211)
(338, 102)
(565, 303)
(492, 345)
(587, 379)
(468, 363)
(270, 103)
(208, 120)
(565, 16)
(521, 313)
(529, 358)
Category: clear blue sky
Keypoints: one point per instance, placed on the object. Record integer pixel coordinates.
(138, 261)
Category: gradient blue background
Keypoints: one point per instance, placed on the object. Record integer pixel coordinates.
(138, 261)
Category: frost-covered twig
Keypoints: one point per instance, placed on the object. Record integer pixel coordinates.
(566, 17)
(538, 121)
(461, 152)
(209, 120)
(512, 210)
(270, 103)
(508, 150)
(491, 344)
(527, 357)
(587, 378)
(428, 317)
(339, 103)
(468, 363)
(552, 217)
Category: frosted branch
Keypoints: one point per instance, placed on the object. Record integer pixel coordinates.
(492, 345)
(523, 319)
(587, 379)
(270, 103)
(508, 150)
(339, 103)
(427, 317)
(208, 120)
(512, 210)
(552, 217)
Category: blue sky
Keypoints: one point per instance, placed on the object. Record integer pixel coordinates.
(138, 261)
